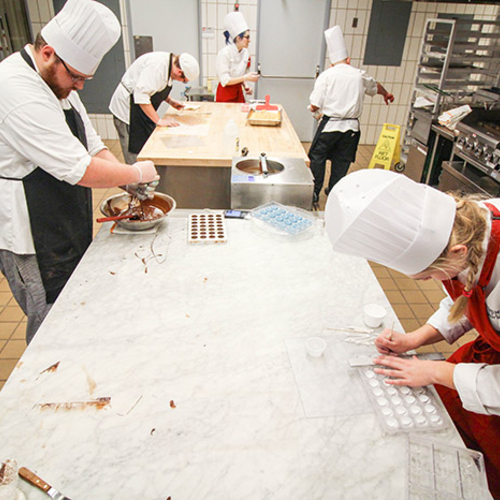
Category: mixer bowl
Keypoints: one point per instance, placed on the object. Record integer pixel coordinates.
(118, 203)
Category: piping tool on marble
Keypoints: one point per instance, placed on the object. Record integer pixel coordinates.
(33, 479)
(263, 164)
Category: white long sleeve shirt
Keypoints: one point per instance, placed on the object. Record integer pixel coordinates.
(231, 63)
(478, 384)
(339, 93)
(146, 76)
(34, 133)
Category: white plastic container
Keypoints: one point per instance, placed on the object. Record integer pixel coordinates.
(373, 315)
(231, 141)
(315, 346)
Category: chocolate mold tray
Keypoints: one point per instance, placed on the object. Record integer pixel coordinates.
(282, 219)
(402, 408)
(439, 471)
(207, 228)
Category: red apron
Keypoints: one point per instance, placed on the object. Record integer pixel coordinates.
(479, 432)
(230, 93)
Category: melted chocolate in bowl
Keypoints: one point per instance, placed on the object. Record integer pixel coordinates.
(146, 214)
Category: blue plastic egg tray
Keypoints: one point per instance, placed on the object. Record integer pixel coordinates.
(283, 219)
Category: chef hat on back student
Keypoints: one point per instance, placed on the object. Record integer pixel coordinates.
(337, 50)
(387, 218)
(81, 34)
(234, 25)
(189, 66)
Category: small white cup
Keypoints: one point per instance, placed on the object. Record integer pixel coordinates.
(315, 346)
(373, 315)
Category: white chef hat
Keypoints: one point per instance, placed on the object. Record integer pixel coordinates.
(235, 24)
(337, 50)
(81, 34)
(189, 66)
(387, 218)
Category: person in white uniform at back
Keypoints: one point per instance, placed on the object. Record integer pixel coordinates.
(338, 95)
(233, 61)
(144, 86)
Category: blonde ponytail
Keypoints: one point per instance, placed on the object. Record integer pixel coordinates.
(469, 229)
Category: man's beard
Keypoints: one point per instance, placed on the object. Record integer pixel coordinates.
(49, 76)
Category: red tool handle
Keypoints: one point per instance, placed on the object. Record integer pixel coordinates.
(32, 478)
(114, 217)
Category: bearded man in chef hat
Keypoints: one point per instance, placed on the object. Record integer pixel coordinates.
(337, 97)
(51, 156)
(424, 233)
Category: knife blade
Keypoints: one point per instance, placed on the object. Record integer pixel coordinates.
(33, 479)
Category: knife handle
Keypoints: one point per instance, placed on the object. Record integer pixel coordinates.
(32, 478)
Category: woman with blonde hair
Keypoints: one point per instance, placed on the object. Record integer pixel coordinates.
(426, 234)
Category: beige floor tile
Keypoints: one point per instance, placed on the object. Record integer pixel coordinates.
(5, 298)
(423, 311)
(435, 296)
(415, 297)
(426, 349)
(13, 350)
(388, 284)
(410, 324)
(19, 332)
(444, 347)
(6, 367)
(381, 272)
(7, 329)
(4, 286)
(429, 285)
(405, 284)
(11, 314)
(395, 297)
(403, 311)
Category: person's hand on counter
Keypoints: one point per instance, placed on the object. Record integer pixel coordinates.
(414, 372)
(391, 342)
(176, 104)
(167, 122)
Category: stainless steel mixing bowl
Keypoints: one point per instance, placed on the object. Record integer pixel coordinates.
(117, 203)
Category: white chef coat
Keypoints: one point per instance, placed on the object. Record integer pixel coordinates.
(146, 76)
(34, 132)
(478, 384)
(339, 92)
(231, 63)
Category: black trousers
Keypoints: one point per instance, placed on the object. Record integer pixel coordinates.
(338, 147)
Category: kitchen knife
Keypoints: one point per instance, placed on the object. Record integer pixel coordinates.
(32, 478)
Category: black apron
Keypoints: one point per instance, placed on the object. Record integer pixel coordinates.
(141, 126)
(60, 217)
(322, 124)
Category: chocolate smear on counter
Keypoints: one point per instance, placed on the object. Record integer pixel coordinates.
(172, 404)
(97, 404)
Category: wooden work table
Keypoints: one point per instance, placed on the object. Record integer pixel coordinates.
(183, 154)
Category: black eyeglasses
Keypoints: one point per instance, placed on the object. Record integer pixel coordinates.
(75, 78)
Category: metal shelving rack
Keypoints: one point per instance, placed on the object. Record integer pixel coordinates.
(457, 57)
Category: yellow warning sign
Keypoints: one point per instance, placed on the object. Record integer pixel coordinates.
(388, 149)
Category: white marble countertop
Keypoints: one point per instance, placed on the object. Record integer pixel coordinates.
(212, 395)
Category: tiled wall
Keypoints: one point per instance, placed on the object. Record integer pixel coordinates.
(398, 80)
